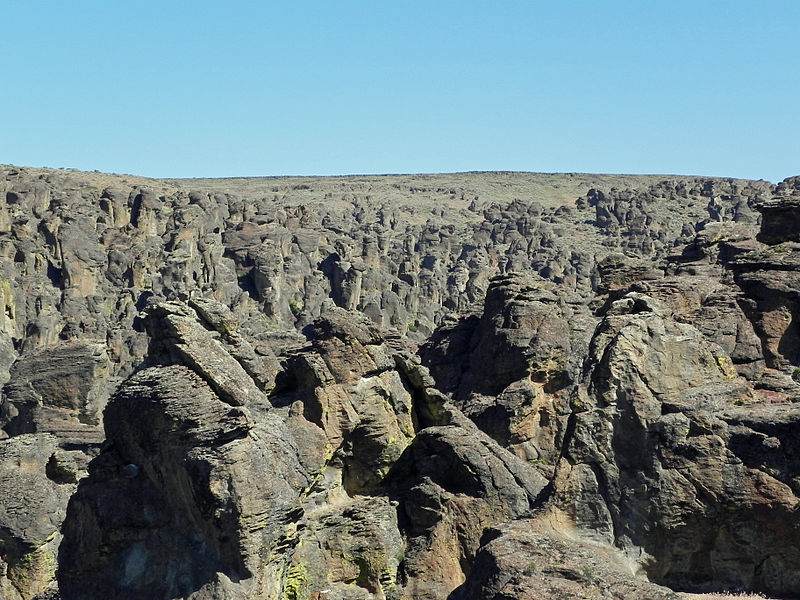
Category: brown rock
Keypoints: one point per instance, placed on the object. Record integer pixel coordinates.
(524, 559)
(657, 464)
(185, 498)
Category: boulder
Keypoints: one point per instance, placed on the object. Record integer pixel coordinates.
(526, 559)
(60, 390)
(452, 483)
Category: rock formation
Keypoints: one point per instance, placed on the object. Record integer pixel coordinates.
(469, 386)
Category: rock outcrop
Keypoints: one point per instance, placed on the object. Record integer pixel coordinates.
(527, 559)
(207, 489)
(480, 386)
(666, 452)
(37, 479)
(770, 279)
(781, 215)
(61, 390)
(510, 370)
(659, 462)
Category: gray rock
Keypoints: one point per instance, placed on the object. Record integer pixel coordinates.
(453, 482)
(780, 216)
(657, 464)
(511, 370)
(32, 507)
(60, 390)
(175, 331)
(212, 491)
(525, 559)
(243, 460)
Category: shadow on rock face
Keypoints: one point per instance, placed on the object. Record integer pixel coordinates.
(182, 500)
(668, 459)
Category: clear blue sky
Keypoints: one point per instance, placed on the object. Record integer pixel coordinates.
(201, 88)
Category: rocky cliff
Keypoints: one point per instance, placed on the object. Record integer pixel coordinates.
(489, 385)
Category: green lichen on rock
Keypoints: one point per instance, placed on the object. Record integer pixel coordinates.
(297, 306)
(296, 586)
(726, 366)
(33, 571)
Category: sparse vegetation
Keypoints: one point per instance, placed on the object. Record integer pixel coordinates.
(724, 596)
(297, 306)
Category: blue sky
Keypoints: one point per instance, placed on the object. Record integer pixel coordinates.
(201, 88)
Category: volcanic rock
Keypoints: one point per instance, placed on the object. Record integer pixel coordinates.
(398, 387)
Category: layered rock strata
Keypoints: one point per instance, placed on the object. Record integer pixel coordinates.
(397, 388)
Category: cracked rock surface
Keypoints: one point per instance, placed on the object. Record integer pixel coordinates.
(491, 385)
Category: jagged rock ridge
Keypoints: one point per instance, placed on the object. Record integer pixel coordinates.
(223, 395)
